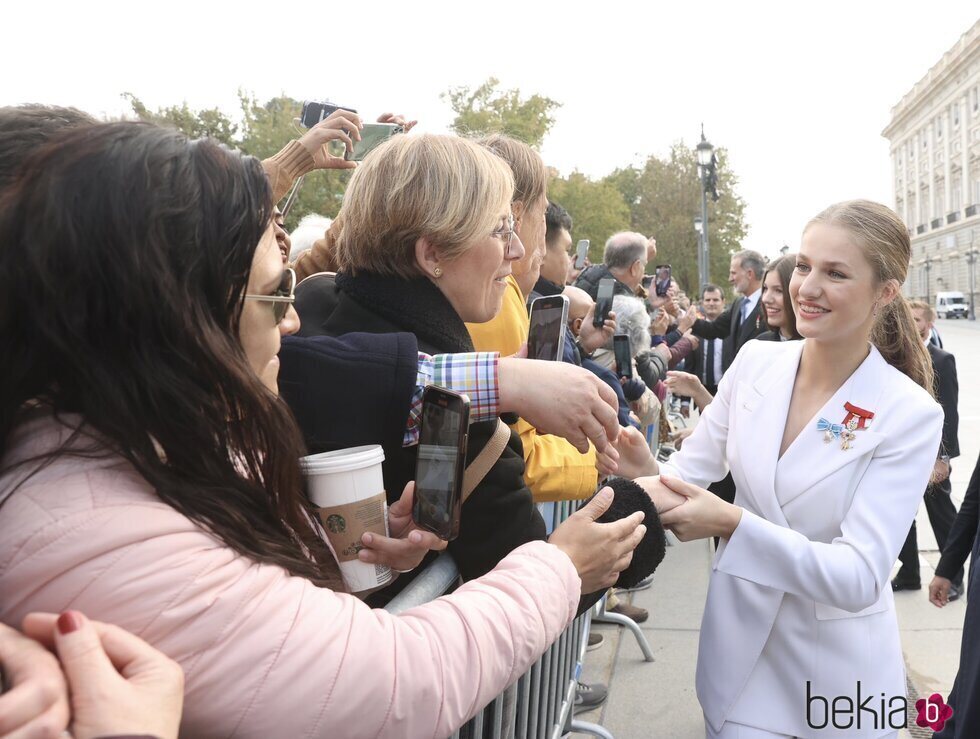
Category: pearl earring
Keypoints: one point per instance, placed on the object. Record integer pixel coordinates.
(437, 272)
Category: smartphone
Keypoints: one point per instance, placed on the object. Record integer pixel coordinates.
(663, 280)
(440, 462)
(315, 111)
(581, 254)
(372, 136)
(546, 337)
(603, 301)
(623, 351)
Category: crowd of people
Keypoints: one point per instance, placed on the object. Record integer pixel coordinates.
(173, 352)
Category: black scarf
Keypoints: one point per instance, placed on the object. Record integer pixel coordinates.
(415, 305)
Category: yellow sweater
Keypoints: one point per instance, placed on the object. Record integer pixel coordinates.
(553, 468)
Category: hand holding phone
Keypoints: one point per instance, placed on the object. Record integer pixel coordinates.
(603, 301)
(662, 276)
(440, 462)
(546, 336)
(582, 254)
(623, 352)
(341, 129)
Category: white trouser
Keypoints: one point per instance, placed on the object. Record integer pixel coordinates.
(731, 730)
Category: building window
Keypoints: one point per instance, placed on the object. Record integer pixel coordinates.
(956, 115)
(939, 127)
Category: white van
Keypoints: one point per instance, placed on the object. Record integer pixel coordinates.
(951, 305)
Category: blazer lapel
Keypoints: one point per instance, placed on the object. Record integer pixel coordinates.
(812, 458)
(763, 405)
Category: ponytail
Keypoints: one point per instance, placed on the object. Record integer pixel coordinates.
(896, 337)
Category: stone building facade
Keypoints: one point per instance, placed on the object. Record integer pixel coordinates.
(935, 148)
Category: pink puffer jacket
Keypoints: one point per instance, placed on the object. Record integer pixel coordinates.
(264, 653)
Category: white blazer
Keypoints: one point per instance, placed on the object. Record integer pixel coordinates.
(807, 569)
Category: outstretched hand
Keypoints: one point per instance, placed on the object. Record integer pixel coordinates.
(701, 515)
(599, 551)
(632, 458)
(561, 399)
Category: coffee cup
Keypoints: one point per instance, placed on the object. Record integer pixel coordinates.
(347, 489)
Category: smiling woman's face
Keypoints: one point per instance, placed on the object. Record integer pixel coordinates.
(257, 329)
(833, 286)
(772, 299)
(474, 282)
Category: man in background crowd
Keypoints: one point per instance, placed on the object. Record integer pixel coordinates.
(557, 259)
(705, 361)
(939, 506)
(624, 260)
(743, 320)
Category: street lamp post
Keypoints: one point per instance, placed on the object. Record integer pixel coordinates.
(971, 259)
(702, 271)
(707, 174)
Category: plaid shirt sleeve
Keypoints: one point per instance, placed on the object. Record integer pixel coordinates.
(473, 373)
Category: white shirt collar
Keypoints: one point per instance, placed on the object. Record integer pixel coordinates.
(752, 299)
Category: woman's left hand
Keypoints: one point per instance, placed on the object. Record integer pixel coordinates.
(407, 545)
(703, 514)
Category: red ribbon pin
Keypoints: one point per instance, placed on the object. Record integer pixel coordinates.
(862, 416)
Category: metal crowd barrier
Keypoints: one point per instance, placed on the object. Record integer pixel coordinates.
(539, 705)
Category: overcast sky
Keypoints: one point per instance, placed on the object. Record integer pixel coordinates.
(798, 97)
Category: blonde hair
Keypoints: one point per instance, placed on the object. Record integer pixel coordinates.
(444, 188)
(884, 240)
(924, 307)
(530, 174)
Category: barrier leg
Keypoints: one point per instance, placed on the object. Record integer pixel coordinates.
(584, 727)
(616, 618)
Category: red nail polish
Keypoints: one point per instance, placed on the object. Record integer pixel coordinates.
(69, 621)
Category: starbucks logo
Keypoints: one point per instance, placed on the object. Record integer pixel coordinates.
(336, 524)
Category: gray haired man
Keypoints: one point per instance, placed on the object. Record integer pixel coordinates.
(625, 261)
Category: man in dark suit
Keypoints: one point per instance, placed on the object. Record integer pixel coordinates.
(939, 506)
(706, 361)
(743, 319)
(965, 722)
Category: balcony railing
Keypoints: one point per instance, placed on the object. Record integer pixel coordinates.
(953, 217)
(920, 229)
(936, 223)
(971, 210)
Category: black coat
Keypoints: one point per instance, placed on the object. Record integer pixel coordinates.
(947, 394)
(500, 514)
(965, 696)
(366, 379)
(589, 281)
(726, 328)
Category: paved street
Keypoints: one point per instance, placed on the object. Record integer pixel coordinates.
(658, 700)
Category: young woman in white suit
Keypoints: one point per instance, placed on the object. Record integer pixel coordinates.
(830, 441)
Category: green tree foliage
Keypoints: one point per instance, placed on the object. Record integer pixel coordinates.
(262, 130)
(597, 208)
(489, 110)
(664, 196)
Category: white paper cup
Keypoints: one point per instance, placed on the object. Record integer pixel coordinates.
(348, 491)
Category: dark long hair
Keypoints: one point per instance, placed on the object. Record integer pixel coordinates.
(125, 250)
(784, 267)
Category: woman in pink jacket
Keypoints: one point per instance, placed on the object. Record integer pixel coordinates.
(149, 472)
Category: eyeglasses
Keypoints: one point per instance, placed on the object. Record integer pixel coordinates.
(506, 235)
(284, 296)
